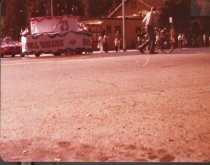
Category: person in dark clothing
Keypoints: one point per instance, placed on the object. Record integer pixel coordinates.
(150, 21)
(66, 9)
(58, 11)
(105, 43)
(35, 13)
(74, 10)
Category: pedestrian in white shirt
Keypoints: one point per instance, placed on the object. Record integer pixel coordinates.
(150, 21)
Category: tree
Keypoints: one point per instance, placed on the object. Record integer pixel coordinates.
(93, 9)
(17, 12)
(14, 17)
(179, 11)
(114, 4)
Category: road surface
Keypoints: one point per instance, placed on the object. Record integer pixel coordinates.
(107, 107)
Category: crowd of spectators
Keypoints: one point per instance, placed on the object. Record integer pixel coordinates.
(182, 39)
(199, 40)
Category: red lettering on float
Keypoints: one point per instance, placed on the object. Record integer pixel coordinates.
(53, 43)
(32, 45)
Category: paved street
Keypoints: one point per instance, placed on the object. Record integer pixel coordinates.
(107, 107)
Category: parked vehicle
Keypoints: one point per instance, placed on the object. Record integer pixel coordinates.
(10, 47)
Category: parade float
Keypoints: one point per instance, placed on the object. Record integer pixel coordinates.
(55, 35)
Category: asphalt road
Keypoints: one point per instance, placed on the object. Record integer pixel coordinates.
(107, 107)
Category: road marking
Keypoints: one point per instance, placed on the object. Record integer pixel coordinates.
(26, 61)
(146, 62)
(12, 63)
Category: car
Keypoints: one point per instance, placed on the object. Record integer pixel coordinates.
(10, 47)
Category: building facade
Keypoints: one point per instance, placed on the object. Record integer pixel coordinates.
(134, 13)
(110, 26)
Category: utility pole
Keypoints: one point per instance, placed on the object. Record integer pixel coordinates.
(123, 21)
(51, 5)
(0, 22)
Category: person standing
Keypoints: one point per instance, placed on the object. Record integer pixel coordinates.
(150, 21)
(66, 9)
(105, 43)
(100, 43)
(74, 10)
(117, 41)
(58, 10)
(180, 41)
(205, 39)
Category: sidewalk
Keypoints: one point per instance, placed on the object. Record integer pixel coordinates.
(192, 50)
(176, 51)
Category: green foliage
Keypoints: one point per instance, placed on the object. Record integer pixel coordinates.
(179, 10)
(14, 17)
(17, 12)
(91, 8)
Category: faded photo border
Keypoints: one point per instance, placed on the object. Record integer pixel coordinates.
(98, 163)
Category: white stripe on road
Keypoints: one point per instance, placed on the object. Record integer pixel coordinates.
(13, 63)
(146, 62)
(51, 61)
